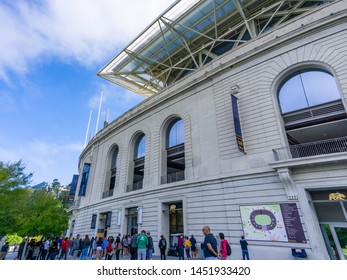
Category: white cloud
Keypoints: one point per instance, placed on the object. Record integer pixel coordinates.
(47, 161)
(79, 31)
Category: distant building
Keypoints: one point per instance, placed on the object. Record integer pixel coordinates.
(40, 186)
(244, 129)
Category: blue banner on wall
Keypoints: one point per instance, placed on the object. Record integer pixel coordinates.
(237, 124)
(73, 185)
(84, 180)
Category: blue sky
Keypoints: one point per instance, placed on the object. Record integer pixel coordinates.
(50, 53)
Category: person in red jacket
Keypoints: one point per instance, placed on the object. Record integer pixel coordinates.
(223, 246)
(64, 248)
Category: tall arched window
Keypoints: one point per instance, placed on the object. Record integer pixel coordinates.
(139, 162)
(313, 113)
(307, 88)
(175, 159)
(113, 165)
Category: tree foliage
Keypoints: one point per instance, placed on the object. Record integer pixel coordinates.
(60, 191)
(25, 211)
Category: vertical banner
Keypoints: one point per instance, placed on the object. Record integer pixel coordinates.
(237, 124)
(84, 179)
(93, 225)
(108, 219)
(73, 187)
(139, 214)
(119, 218)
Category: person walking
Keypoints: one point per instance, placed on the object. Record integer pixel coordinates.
(142, 242)
(210, 247)
(244, 248)
(162, 247)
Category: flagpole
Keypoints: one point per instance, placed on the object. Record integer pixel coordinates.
(97, 121)
(85, 140)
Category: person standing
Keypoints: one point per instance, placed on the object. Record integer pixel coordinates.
(133, 247)
(76, 247)
(194, 248)
(150, 247)
(110, 248)
(223, 246)
(53, 249)
(46, 245)
(180, 246)
(142, 242)
(187, 247)
(119, 246)
(85, 247)
(21, 249)
(244, 248)
(210, 247)
(91, 247)
(4, 250)
(162, 247)
(99, 244)
(64, 248)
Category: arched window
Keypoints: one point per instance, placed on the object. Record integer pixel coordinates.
(140, 146)
(313, 114)
(114, 161)
(175, 157)
(307, 88)
(139, 163)
(175, 135)
(112, 173)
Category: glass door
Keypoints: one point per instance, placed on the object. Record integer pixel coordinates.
(336, 240)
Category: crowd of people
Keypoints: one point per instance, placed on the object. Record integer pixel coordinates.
(139, 246)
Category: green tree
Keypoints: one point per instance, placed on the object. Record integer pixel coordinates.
(25, 211)
(12, 176)
(41, 213)
(60, 191)
(12, 180)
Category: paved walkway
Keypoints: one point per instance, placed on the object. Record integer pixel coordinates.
(12, 256)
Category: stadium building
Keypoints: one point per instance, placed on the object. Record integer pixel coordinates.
(244, 129)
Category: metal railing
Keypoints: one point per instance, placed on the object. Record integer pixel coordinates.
(107, 193)
(331, 146)
(135, 186)
(173, 177)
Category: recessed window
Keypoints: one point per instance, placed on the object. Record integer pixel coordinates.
(175, 156)
(140, 147)
(111, 173)
(175, 133)
(313, 114)
(139, 163)
(307, 88)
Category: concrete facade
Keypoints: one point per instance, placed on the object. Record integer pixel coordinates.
(218, 177)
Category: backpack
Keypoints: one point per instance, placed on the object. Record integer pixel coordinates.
(228, 248)
(109, 247)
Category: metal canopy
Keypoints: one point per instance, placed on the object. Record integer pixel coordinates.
(190, 34)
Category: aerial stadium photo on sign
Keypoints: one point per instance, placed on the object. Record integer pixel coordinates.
(276, 222)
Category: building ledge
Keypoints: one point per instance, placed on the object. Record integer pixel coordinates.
(313, 160)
